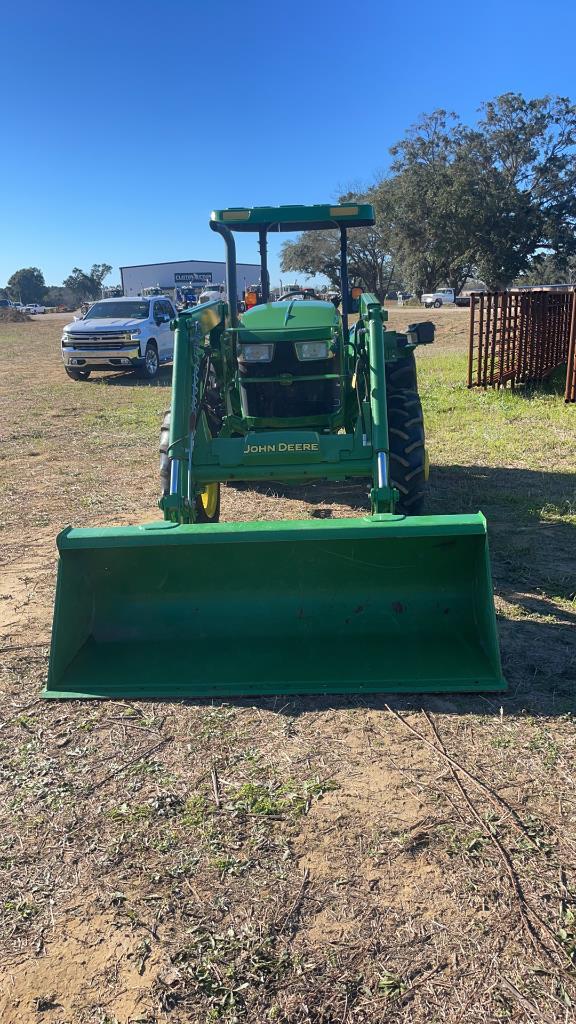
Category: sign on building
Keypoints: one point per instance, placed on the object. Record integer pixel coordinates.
(193, 277)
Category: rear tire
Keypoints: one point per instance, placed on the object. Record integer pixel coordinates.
(437, 304)
(77, 374)
(408, 462)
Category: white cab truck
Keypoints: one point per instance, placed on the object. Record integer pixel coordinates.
(212, 293)
(120, 334)
(443, 295)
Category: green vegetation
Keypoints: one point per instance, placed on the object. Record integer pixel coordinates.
(491, 201)
(528, 428)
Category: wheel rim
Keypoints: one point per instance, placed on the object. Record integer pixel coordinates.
(209, 500)
(151, 359)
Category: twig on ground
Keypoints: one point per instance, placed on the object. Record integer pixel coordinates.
(25, 647)
(486, 827)
(527, 915)
(140, 756)
(524, 1003)
(496, 800)
(407, 996)
(297, 903)
(215, 786)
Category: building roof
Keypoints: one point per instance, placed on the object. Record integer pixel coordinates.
(169, 263)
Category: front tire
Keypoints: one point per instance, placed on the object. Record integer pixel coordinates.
(437, 304)
(207, 506)
(151, 365)
(408, 458)
(77, 374)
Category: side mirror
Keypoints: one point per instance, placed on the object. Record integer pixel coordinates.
(421, 334)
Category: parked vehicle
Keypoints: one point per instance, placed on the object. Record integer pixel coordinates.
(302, 294)
(443, 295)
(212, 293)
(117, 334)
(33, 307)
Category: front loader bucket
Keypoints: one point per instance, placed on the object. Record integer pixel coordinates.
(385, 603)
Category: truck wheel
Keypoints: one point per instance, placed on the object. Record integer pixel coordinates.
(437, 303)
(151, 364)
(208, 502)
(77, 374)
(408, 458)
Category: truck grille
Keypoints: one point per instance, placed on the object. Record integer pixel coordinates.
(93, 342)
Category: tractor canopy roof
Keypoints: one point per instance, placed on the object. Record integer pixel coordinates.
(295, 218)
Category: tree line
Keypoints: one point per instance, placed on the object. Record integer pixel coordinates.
(28, 285)
(495, 201)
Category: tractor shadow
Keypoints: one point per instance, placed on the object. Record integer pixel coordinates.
(532, 536)
(324, 493)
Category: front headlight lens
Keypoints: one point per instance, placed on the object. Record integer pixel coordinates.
(135, 333)
(312, 349)
(255, 353)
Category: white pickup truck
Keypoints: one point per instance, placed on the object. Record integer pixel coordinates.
(441, 296)
(120, 334)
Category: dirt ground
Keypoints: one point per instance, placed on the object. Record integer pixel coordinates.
(301, 861)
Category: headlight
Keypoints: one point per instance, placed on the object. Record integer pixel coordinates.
(312, 349)
(135, 333)
(255, 353)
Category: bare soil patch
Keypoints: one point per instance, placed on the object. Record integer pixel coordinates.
(301, 861)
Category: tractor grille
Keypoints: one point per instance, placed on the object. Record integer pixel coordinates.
(300, 398)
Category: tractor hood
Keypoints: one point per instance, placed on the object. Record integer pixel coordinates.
(291, 314)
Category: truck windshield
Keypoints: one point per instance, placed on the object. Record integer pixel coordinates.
(119, 311)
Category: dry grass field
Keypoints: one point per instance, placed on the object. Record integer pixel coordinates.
(309, 861)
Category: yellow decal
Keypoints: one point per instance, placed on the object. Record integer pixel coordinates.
(236, 215)
(344, 211)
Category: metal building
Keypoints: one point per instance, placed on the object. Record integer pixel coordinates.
(190, 273)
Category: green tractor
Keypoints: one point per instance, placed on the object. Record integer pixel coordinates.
(395, 601)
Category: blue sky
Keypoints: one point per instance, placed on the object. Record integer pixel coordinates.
(124, 124)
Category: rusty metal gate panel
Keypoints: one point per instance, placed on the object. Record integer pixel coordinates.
(570, 393)
(521, 337)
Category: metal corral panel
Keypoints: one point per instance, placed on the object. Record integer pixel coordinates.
(184, 272)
